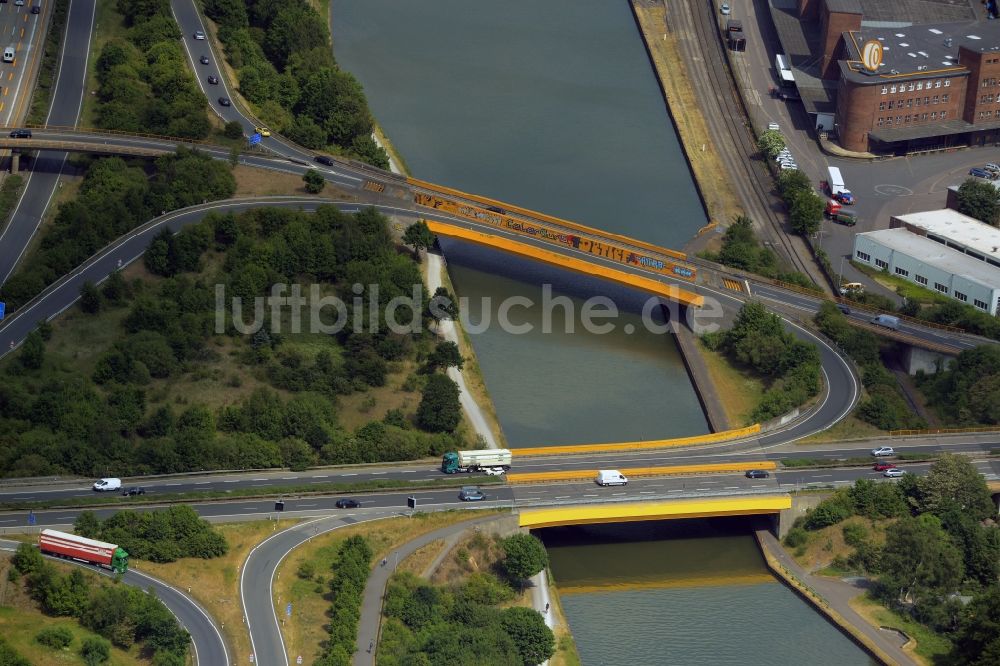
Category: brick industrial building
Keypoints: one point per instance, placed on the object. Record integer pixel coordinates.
(938, 85)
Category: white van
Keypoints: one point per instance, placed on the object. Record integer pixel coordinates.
(108, 484)
(610, 477)
(8, 54)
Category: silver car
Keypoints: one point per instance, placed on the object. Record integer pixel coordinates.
(883, 451)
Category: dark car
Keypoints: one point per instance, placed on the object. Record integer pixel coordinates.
(224, 101)
(882, 466)
(471, 494)
(843, 308)
(214, 80)
(348, 504)
(134, 490)
(323, 159)
(20, 134)
(757, 474)
(979, 173)
(203, 60)
(35, 9)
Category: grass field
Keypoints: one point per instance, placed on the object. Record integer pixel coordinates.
(930, 647)
(738, 391)
(849, 428)
(108, 25)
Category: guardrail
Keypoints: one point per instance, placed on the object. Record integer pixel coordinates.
(943, 431)
(95, 130)
(710, 438)
(588, 474)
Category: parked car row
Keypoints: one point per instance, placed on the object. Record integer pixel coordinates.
(988, 171)
(785, 160)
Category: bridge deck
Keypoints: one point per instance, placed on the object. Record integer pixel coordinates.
(637, 511)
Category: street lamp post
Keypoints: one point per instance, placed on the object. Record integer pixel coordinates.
(840, 275)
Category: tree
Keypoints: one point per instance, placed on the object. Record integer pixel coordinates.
(919, 561)
(535, 642)
(445, 355)
(439, 409)
(27, 558)
(954, 482)
(314, 180)
(979, 199)
(115, 290)
(442, 305)
(977, 641)
(524, 556)
(770, 143)
(95, 651)
(32, 351)
(90, 298)
(805, 210)
(87, 525)
(11, 657)
(419, 237)
(233, 130)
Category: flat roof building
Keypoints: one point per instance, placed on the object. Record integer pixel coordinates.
(955, 230)
(931, 264)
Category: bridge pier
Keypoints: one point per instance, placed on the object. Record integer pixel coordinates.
(801, 503)
(15, 161)
(915, 358)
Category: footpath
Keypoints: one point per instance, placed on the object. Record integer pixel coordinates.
(834, 602)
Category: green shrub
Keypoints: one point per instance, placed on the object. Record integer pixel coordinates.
(796, 537)
(56, 638)
(95, 651)
(855, 534)
(829, 512)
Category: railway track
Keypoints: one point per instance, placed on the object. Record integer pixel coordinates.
(694, 23)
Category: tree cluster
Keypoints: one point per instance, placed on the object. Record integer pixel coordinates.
(758, 341)
(943, 540)
(11, 657)
(770, 143)
(281, 52)
(884, 407)
(115, 414)
(124, 615)
(144, 84)
(805, 207)
(347, 586)
(979, 199)
(742, 250)
(460, 624)
(115, 198)
(158, 536)
(968, 391)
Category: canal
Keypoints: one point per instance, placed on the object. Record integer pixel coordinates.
(685, 592)
(553, 106)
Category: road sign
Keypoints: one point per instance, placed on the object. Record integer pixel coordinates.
(298, 659)
(254, 139)
(31, 518)
(288, 610)
(251, 657)
(3, 308)
(411, 502)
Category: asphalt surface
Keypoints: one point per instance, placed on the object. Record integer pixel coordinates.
(206, 639)
(46, 169)
(22, 30)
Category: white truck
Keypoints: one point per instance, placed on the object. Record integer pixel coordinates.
(474, 461)
(838, 191)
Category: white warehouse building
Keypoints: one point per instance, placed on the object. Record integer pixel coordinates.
(931, 264)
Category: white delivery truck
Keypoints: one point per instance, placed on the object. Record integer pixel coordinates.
(610, 477)
(887, 320)
(474, 461)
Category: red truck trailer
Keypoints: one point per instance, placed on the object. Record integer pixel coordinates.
(107, 555)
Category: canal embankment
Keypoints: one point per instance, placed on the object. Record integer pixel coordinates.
(701, 378)
(832, 599)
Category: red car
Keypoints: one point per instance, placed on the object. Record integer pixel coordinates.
(882, 466)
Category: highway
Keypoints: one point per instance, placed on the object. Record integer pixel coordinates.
(22, 30)
(67, 101)
(206, 639)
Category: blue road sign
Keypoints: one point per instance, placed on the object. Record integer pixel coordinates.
(3, 309)
(31, 518)
(288, 610)
(254, 139)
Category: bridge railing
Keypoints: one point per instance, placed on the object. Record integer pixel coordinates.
(110, 132)
(943, 431)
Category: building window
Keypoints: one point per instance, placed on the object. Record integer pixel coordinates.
(864, 256)
(909, 103)
(940, 287)
(943, 114)
(920, 85)
(888, 120)
(920, 279)
(986, 83)
(907, 119)
(910, 87)
(933, 115)
(927, 101)
(892, 104)
(944, 99)
(902, 271)
(934, 100)
(918, 101)
(880, 121)
(947, 82)
(899, 119)
(892, 88)
(937, 84)
(923, 116)
(885, 89)
(962, 297)
(881, 106)
(979, 304)
(882, 264)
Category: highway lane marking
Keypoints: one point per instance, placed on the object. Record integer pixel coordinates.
(611, 493)
(324, 476)
(305, 505)
(562, 496)
(374, 473)
(731, 488)
(409, 471)
(202, 483)
(231, 481)
(260, 479)
(289, 478)
(676, 490)
(644, 492)
(350, 474)
(171, 484)
(591, 495)
(13, 520)
(821, 476)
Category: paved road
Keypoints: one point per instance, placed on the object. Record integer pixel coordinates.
(206, 639)
(25, 32)
(47, 167)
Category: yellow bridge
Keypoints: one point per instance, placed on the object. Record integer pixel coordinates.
(668, 510)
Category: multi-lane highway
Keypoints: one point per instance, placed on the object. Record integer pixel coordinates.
(46, 169)
(22, 31)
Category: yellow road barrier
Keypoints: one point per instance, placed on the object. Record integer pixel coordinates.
(717, 580)
(710, 438)
(572, 263)
(710, 468)
(630, 512)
